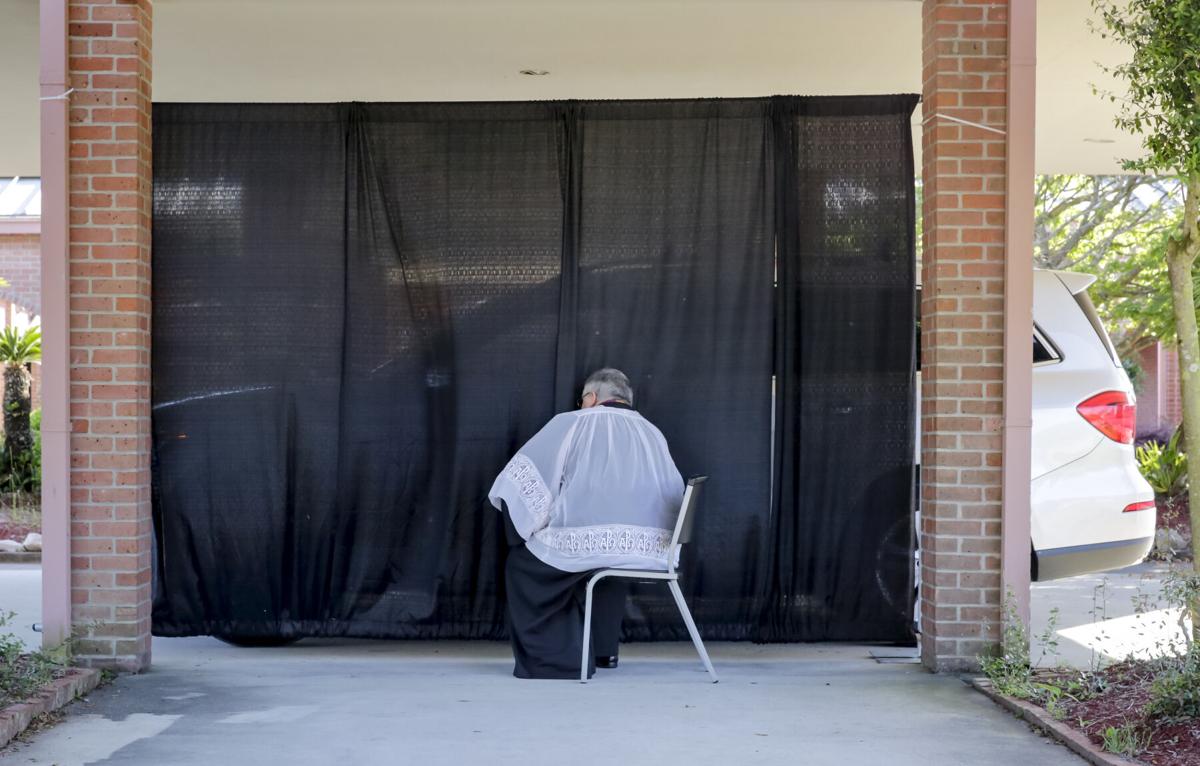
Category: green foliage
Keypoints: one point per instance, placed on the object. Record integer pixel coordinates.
(1054, 692)
(20, 472)
(20, 346)
(1174, 676)
(1137, 376)
(1162, 103)
(20, 459)
(1175, 692)
(1127, 740)
(35, 423)
(1011, 671)
(1115, 228)
(22, 674)
(1008, 675)
(1180, 586)
(1164, 465)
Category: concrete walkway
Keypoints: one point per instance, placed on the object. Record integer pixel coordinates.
(21, 596)
(377, 702)
(1105, 617)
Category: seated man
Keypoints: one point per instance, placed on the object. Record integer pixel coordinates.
(594, 489)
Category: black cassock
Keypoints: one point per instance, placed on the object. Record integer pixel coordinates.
(545, 613)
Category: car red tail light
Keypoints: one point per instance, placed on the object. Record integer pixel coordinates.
(1145, 505)
(1112, 413)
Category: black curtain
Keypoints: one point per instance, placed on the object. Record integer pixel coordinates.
(842, 537)
(362, 310)
(674, 264)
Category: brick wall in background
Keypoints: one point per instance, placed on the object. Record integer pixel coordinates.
(1170, 406)
(21, 267)
(965, 60)
(1159, 410)
(1148, 388)
(109, 253)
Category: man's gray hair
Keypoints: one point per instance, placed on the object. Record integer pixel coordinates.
(609, 384)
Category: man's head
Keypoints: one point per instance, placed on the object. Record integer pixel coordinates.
(606, 385)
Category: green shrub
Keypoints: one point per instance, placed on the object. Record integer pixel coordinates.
(1127, 740)
(22, 471)
(35, 422)
(1164, 465)
(20, 465)
(1137, 375)
(1011, 671)
(1175, 692)
(23, 674)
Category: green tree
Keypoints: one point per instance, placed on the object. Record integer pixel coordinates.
(17, 349)
(1162, 106)
(1114, 227)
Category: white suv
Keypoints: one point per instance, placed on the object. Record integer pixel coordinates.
(1091, 508)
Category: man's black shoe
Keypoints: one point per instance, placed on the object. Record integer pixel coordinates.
(606, 662)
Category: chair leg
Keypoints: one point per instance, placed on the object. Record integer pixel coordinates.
(691, 626)
(587, 630)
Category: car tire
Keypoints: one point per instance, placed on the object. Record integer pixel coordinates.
(894, 564)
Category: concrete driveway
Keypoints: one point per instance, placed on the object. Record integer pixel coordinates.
(391, 702)
(383, 702)
(1105, 617)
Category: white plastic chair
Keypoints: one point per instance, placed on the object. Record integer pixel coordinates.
(683, 534)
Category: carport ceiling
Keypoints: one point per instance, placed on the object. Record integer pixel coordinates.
(457, 50)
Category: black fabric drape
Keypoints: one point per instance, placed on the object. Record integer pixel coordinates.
(675, 265)
(841, 528)
(361, 311)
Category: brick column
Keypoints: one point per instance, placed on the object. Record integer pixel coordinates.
(109, 257)
(964, 171)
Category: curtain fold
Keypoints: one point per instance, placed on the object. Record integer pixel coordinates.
(842, 564)
(362, 310)
(675, 265)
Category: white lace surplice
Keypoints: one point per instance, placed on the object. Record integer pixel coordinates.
(594, 488)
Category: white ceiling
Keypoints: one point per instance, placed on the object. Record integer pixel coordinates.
(18, 88)
(460, 50)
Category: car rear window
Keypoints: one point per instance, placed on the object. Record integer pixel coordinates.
(1089, 310)
(1042, 353)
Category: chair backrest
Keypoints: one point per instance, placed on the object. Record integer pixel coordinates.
(686, 517)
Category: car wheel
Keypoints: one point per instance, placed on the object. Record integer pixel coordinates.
(894, 567)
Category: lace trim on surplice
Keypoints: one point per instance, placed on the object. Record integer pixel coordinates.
(607, 538)
(533, 490)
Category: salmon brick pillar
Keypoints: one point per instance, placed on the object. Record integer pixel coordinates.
(965, 60)
(109, 202)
